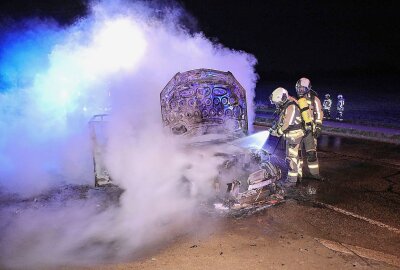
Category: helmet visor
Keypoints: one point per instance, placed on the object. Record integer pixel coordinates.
(301, 90)
(270, 99)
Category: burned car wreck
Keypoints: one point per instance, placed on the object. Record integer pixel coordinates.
(209, 109)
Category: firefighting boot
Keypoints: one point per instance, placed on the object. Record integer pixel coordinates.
(316, 177)
(287, 183)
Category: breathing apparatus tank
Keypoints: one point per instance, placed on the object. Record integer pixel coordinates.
(305, 113)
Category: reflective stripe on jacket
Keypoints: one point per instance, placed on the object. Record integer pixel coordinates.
(327, 104)
(290, 118)
(316, 109)
(340, 105)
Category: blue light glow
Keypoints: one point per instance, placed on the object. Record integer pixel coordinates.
(63, 73)
(52, 80)
(24, 52)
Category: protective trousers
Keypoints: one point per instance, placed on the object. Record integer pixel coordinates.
(293, 142)
(327, 113)
(310, 148)
(340, 115)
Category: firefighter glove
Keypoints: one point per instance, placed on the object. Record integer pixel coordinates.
(273, 132)
(317, 131)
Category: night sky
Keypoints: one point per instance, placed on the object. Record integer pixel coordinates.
(329, 40)
(306, 36)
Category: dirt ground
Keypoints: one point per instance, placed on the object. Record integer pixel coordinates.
(363, 178)
(283, 237)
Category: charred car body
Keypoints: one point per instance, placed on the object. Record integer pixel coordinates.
(209, 108)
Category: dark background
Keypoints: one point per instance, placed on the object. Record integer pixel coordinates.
(347, 47)
(292, 37)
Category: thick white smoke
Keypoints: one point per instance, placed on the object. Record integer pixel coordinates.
(120, 56)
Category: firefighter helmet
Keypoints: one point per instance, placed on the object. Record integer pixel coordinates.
(279, 96)
(303, 86)
(327, 96)
(340, 97)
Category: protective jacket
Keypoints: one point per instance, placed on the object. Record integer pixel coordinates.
(340, 105)
(309, 141)
(340, 109)
(290, 125)
(327, 104)
(315, 106)
(289, 118)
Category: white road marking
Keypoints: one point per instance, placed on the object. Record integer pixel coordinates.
(347, 213)
(361, 252)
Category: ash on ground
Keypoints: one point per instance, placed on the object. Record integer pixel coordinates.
(58, 197)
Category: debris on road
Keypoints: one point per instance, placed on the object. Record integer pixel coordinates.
(360, 251)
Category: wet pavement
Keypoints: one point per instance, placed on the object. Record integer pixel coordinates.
(365, 128)
(363, 179)
(372, 131)
(360, 200)
(362, 192)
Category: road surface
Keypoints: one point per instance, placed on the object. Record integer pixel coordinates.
(351, 222)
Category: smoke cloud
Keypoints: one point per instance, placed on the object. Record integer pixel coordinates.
(53, 80)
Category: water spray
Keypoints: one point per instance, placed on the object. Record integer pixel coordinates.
(256, 140)
(117, 56)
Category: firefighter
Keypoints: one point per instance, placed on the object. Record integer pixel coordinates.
(340, 108)
(327, 104)
(289, 125)
(310, 106)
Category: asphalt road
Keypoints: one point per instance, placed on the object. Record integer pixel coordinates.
(360, 198)
(363, 177)
(351, 222)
